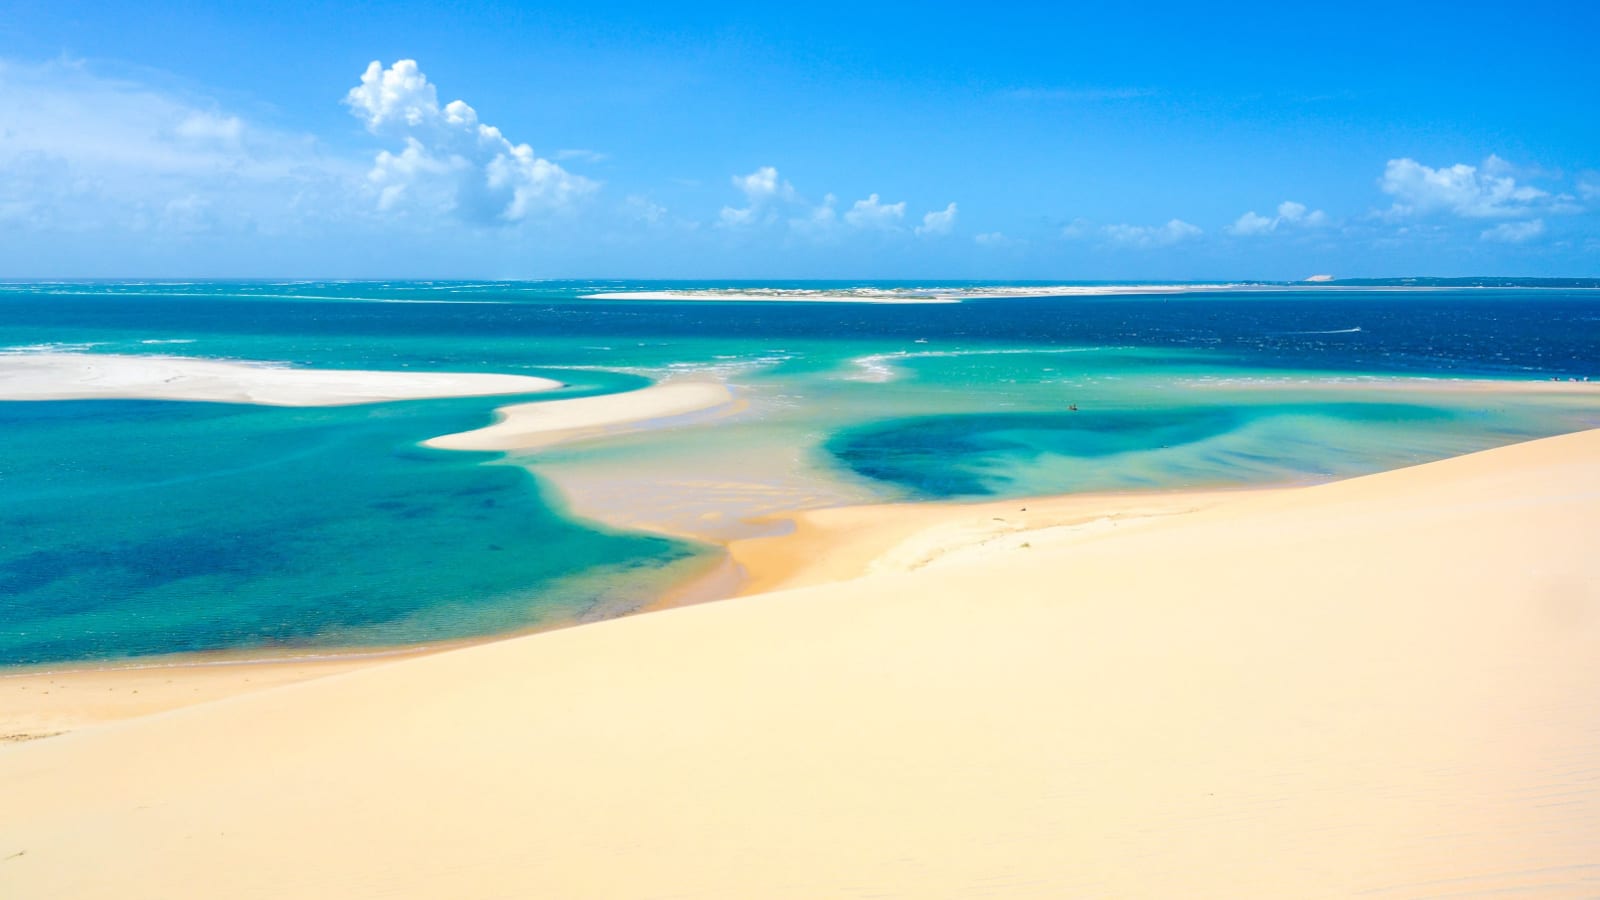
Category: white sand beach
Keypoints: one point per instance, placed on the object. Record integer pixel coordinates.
(912, 295)
(527, 426)
(1378, 686)
(105, 376)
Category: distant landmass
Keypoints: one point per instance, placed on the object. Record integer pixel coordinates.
(1475, 281)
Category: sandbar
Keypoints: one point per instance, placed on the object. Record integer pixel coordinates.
(528, 426)
(1383, 685)
(107, 376)
(910, 295)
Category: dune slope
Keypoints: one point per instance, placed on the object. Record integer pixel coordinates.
(1383, 685)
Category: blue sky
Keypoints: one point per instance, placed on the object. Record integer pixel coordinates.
(1114, 141)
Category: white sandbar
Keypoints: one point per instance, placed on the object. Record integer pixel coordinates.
(104, 376)
(527, 426)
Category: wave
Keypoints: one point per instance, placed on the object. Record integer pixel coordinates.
(879, 367)
(1331, 331)
(53, 347)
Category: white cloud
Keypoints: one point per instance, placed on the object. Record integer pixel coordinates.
(1252, 223)
(582, 155)
(1460, 189)
(938, 222)
(763, 185)
(452, 161)
(81, 152)
(770, 200)
(1514, 232)
(1289, 213)
(1175, 231)
(991, 239)
(642, 209)
(1077, 229)
(819, 220)
(871, 213)
(210, 127)
(762, 189)
(1589, 185)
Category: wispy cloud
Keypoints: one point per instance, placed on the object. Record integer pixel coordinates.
(80, 151)
(1514, 232)
(581, 155)
(1077, 94)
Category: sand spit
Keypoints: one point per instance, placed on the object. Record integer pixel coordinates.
(105, 376)
(912, 295)
(1381, 685)
(528, 426)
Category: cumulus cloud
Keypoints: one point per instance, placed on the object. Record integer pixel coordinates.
(762, 190)
(1078, 229)
(1514, 232)
(1489, 192)
(938, 222)
(1290, 213)
(770, 200)
(819, 220)
(449, 159)
(872, 213)
(1175, 231)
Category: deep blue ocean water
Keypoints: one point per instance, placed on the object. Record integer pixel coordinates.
(131, 528)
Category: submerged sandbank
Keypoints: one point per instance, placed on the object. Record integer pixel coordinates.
(528, 426)
(104, 376)
(1379, 685)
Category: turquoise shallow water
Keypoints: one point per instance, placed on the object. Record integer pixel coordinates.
(130, 528)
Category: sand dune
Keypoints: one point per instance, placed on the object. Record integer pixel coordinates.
(105, 376)
(1384, 685)
(527, 426)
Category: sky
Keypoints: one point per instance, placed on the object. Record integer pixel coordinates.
(842, 141)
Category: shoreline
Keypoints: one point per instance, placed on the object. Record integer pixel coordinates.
(790, 549)
(851, 541)
(1371, 685)
(532, 426)
(107, 376)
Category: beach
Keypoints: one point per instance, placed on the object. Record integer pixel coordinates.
(1377, 685)
(90, 376)
(529, 426)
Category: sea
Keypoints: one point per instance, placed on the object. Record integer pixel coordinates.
(132, 530)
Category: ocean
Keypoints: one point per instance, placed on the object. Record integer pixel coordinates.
(137, 528)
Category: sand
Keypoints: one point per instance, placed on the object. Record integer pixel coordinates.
(105, 376)
(528, 426)
(46, 702)
(1384, 685)
(912, 295)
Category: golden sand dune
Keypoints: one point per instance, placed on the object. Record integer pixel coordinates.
(1384, 686)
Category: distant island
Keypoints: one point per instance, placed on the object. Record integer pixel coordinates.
(1472, 281)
